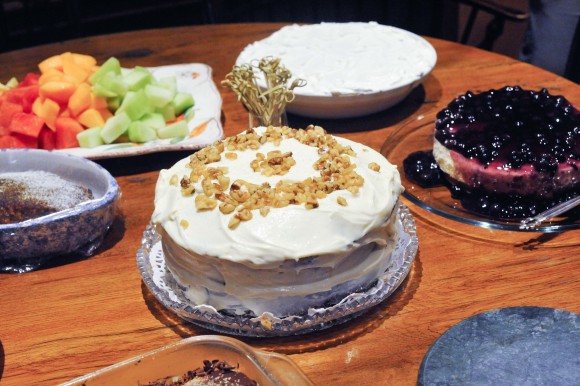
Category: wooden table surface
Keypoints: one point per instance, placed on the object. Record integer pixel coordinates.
(76, 317)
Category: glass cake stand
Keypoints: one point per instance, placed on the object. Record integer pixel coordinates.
(416, 134)
(156, 276)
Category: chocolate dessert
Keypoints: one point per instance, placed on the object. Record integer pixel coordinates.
(215, 372)
(31, 194)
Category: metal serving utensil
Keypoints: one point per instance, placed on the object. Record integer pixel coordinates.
(532, 222)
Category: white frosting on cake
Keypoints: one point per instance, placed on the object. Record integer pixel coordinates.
(290, 232)
(346, 58)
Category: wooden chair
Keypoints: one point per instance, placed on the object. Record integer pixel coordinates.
(494, 29)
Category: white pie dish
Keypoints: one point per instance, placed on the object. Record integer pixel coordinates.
(351, 69)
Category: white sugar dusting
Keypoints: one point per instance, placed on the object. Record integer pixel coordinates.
(45, 188)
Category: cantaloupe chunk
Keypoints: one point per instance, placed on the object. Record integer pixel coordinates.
(58, 91)
(86, 61)
(49, 113)
(99, 102)
(80, 100)
(72, 69)
(54, 62)
(105, 113)
(50, 75)
(91, 118)
(37, 107)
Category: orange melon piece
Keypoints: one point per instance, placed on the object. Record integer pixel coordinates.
(80, 100)
(105, 113)
(50, 75)
(72, 69)
(49, 113)
(98, 102)
(85, 61)
(91, 118)
(54, 62)
(37, 107)
(58, 91)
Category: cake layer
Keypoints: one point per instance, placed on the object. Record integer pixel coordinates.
(493, 178)
(283, 288)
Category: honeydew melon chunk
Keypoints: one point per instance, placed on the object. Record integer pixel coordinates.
(13, 82)
(139, 131)
(182, 101)
(135, 105)
(158, 96)
(113, 83)
(177, 129)
(115, 126)
(138, 78)
(113, 103)
(99, 90)
(111, 65)
(167, 111)
(153, 120)
(169, 83)
(90, 137)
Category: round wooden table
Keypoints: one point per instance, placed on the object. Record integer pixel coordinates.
(76, 317)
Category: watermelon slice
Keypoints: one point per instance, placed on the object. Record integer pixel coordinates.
(26, 124)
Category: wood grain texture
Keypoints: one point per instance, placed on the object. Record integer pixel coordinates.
(76, 317)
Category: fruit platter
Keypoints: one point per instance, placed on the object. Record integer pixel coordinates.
(97, 111)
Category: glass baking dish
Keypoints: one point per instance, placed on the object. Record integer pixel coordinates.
(266, 368)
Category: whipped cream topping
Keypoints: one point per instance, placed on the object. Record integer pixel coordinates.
(346, 58)
(291, 232)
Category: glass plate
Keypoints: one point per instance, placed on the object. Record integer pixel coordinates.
(416, 135)
(203, 120)
(151, 263)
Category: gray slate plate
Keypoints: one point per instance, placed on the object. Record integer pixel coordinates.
(509, 346)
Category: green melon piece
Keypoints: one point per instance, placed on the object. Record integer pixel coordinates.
(113, 103)
(99, 90)
(177, 129)
(113, 83)
(153, 120)
(158, 96)
(111, 65)
(182, 102)
(138, 78)
(167, 111)
(169, 83)
(135, 105)
(90, 137)
(140, 132)
(115, 126)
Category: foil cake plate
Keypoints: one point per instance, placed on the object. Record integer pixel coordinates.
(160, 281)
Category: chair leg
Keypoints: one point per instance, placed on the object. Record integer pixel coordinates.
(493, 31)
(469, 25)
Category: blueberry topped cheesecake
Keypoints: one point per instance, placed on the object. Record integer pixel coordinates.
(521, 145)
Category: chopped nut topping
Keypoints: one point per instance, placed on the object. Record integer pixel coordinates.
(184, 224)
(374, 166)
(337, 172)
(174, 180)
(203, 202)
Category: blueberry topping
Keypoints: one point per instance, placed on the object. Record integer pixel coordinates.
(512, 126)
(421, 168)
